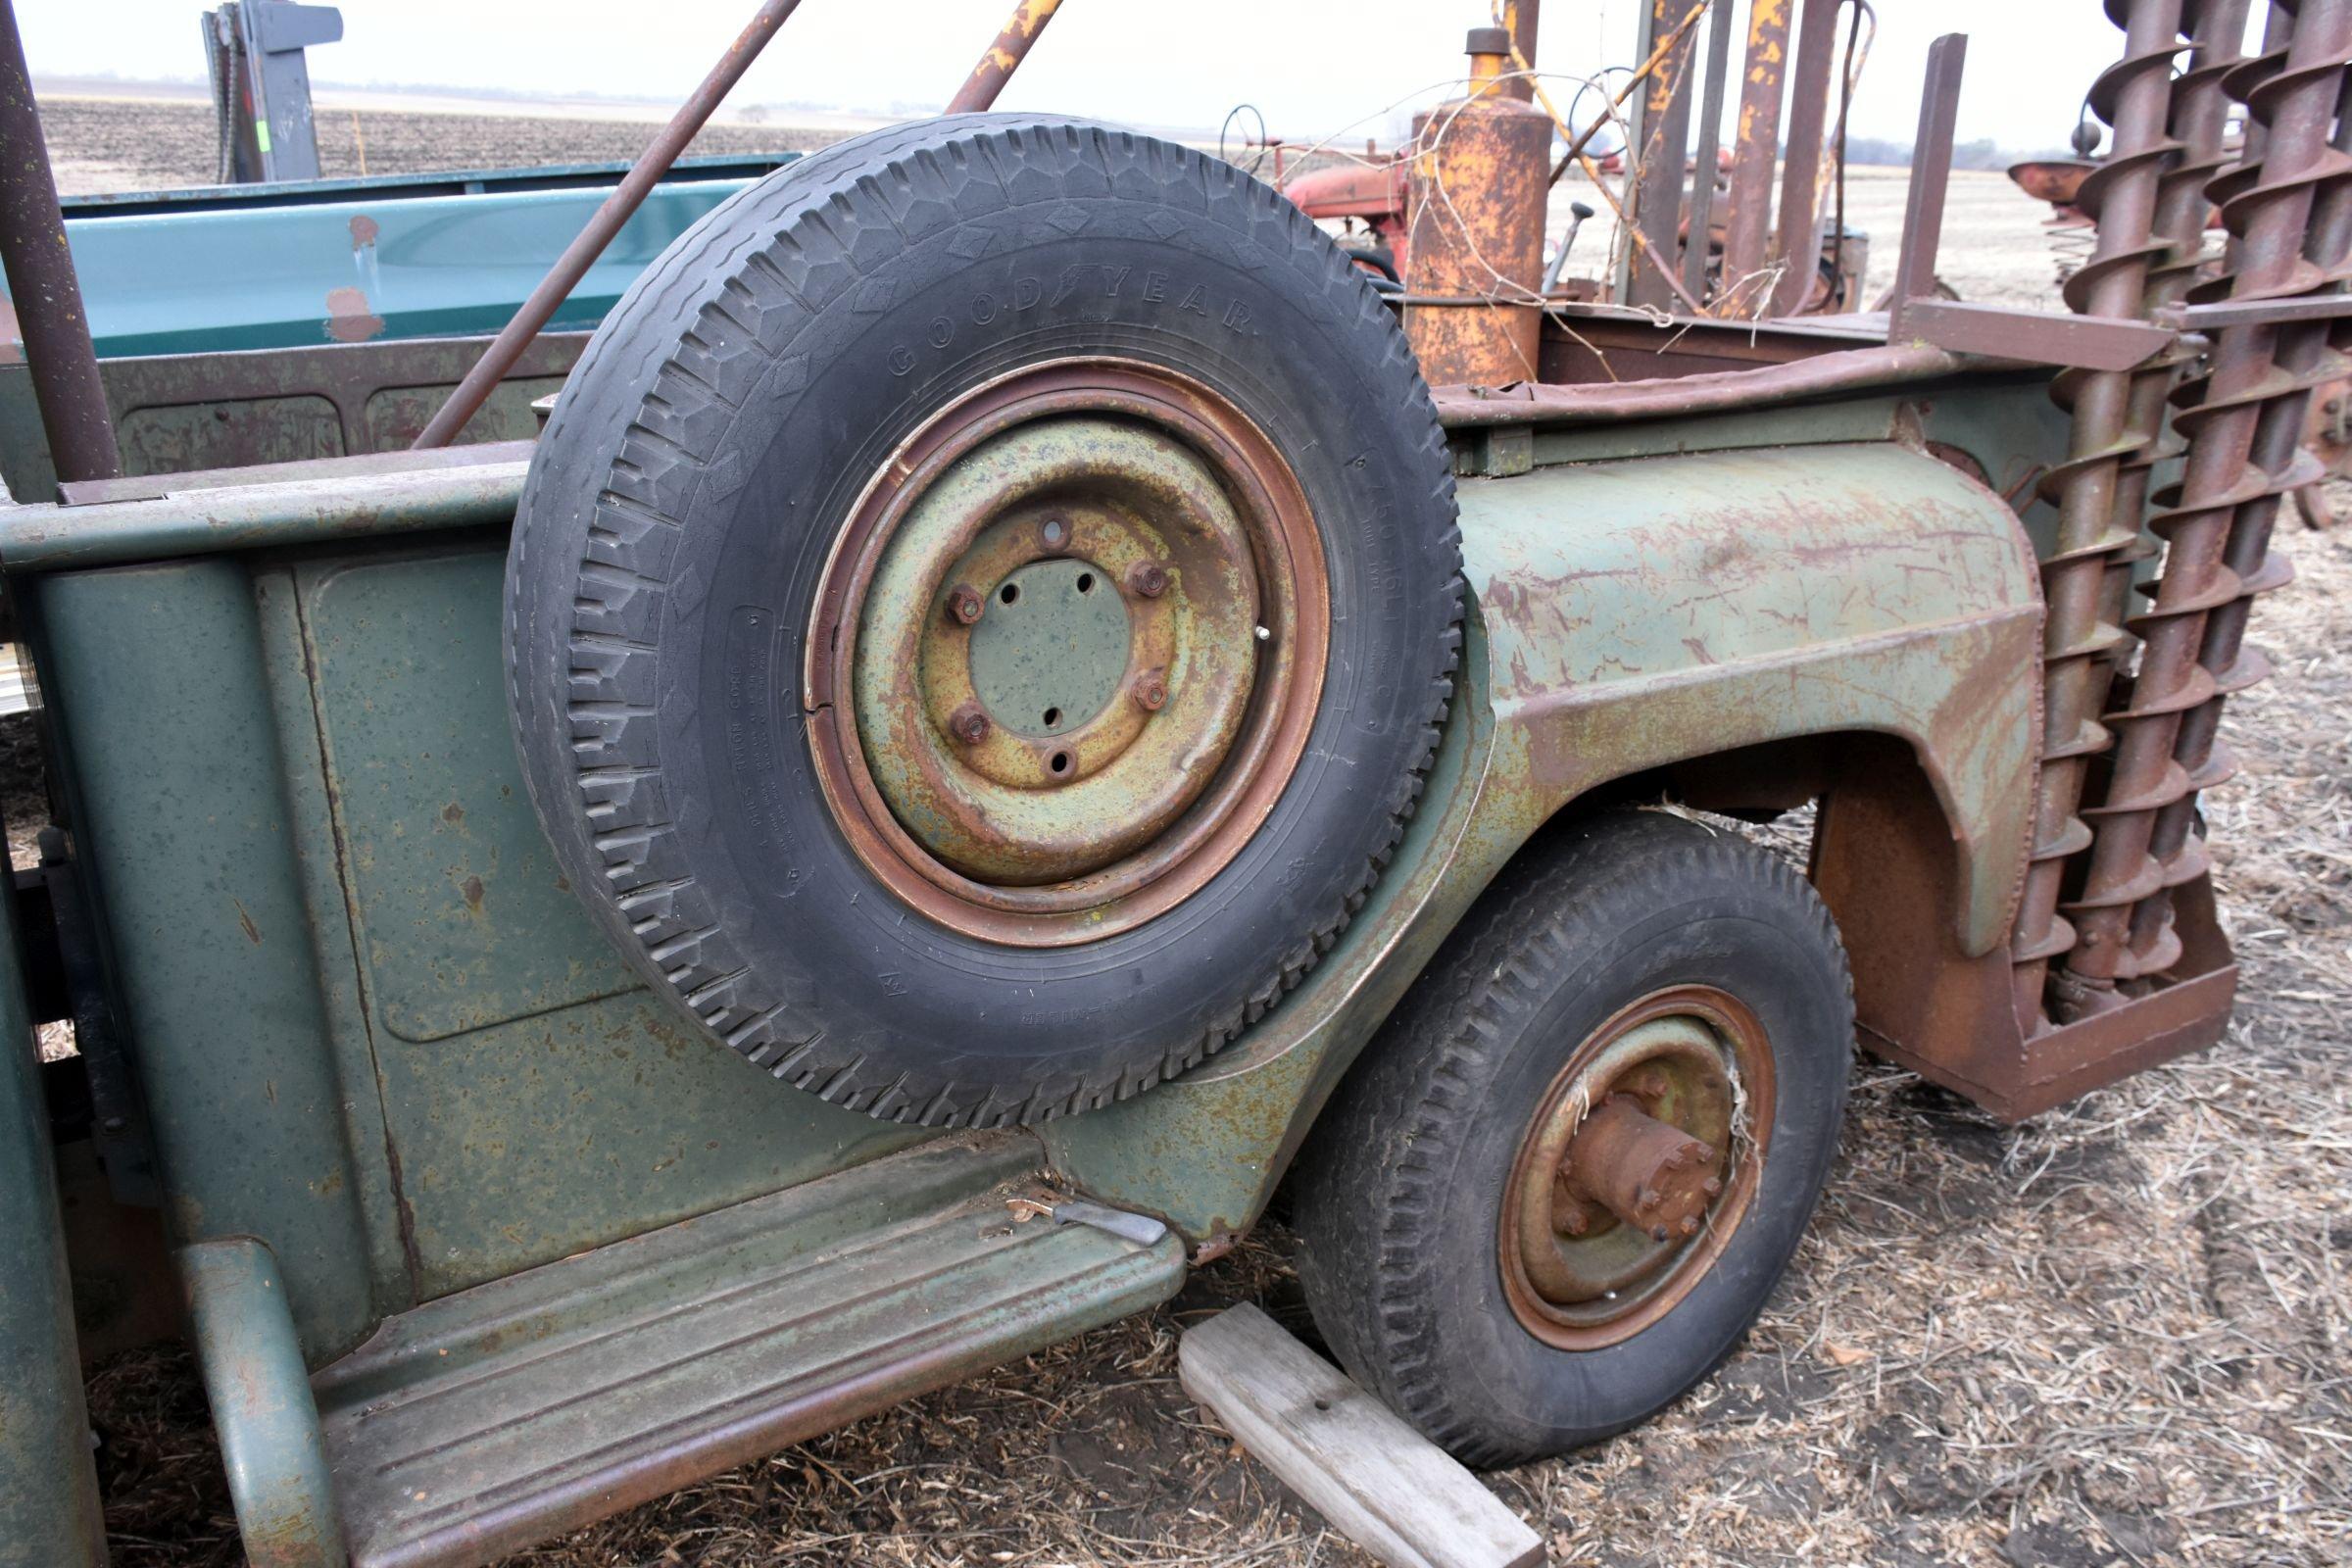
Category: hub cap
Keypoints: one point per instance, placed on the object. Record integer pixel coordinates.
(1068, 653)
(1637, 1168)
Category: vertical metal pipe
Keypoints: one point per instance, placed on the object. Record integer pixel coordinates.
(1755, 154)
(41, 281)
(1931, 175)
(49, 1511)
(1710, 140)
(1519, 19)
(1796, 237)
(2079, 644)
(1647, 49)
(561, 278)
(2292, 214)
(1003, 56)
(1658, 195)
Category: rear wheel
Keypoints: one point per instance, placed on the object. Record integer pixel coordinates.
(1581, 1155)
(980, 612)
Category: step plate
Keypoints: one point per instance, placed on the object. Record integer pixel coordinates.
(488, 1420)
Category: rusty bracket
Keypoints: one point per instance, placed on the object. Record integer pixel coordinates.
(2034, 337)
(1141, 1229)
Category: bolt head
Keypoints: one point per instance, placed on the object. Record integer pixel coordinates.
(1690, 1225)
(969, 725)
(1712, 1186)
(1573, 1223)
(1147, 578)
(1151, 691)
(965, 603)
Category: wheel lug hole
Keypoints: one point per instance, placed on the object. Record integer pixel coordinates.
(1060, 764)
(1055, 533)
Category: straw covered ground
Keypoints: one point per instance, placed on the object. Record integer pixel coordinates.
(2119, 1335)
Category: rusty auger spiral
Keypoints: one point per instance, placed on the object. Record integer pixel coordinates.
(2288, 209)
(2104, 473)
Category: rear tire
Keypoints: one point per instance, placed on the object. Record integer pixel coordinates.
(1403, 1191)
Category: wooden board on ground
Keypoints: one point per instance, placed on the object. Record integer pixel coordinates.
(1391, 1490)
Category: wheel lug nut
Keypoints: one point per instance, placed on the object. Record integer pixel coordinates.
(1151, 691)
(1573, 1223)
(1690, 1225)
(1712, 1186)
(964, 603)
(969, 725)
(1147, 578)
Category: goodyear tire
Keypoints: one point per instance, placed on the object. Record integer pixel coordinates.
(979, 615)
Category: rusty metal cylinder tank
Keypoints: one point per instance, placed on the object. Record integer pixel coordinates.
(1479, 175)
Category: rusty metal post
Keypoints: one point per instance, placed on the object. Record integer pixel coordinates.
(1475, 203)
(1796, 237)
(2079, 644)
(1003, 56)
(1519, 19)
(1930, 177)
(1658, 188)
(1710, 140)
(561, 278)
(2292, 214)
(41, 283)
(1756, 155)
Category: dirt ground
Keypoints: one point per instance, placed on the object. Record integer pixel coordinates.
(2119, 1335)
(100, 145)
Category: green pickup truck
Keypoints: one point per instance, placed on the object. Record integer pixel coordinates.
(1016, 705)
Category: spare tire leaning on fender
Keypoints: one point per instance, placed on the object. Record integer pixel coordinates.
(980, 612)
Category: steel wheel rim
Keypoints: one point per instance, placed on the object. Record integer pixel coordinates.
(894, 674)
(1690, 1060)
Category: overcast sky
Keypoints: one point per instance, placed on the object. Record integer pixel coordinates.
(1311, 66)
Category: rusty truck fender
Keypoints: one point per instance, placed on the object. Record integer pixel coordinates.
(1629, 616)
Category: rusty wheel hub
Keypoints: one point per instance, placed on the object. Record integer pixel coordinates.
(1637, 1167)
(1076, 632)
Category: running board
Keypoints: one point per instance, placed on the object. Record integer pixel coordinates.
(486, 1421)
